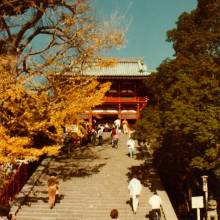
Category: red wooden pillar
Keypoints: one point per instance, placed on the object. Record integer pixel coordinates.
(138, 111)
(119, 99)
(119, 111)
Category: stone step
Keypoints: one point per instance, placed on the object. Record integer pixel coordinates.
(88, 197)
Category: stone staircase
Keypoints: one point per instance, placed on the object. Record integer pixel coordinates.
(93, 180)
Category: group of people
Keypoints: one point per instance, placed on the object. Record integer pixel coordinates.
(98, 129)
(124, 125)
(117, 129)
(135, 188)
(134, 185)
(96, 132)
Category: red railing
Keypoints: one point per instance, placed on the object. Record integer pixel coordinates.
(12, 186)
(132, 100)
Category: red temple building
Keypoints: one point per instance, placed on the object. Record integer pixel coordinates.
(126, 97)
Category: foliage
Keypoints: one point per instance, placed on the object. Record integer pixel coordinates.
(148, 128)
(39, 96)
(31, 120)
(185, 91)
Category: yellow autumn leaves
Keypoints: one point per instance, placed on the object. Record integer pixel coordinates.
(40, 88)
(31, 120)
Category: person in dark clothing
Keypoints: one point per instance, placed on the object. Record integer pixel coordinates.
(114, 214)
(114, 136)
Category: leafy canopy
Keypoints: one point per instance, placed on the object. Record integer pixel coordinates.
(185, 94)
(39, 96)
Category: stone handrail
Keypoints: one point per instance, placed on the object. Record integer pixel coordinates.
(20, 199)
(166, 206)
(167, 209)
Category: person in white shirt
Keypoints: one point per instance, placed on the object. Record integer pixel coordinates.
(134, 187)
(100, 134)
(155, 202)
(131, 147)
(117, 123)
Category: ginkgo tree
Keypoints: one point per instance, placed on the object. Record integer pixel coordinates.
(39, 94)
(31, 120)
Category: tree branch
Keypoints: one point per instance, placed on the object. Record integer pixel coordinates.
(40, 30)
(6, 28)
(48, 47)
(29, 25)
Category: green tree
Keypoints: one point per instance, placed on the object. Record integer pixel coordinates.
(185, 91)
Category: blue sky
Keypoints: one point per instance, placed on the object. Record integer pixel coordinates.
(147, 22)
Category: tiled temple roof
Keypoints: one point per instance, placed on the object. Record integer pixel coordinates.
(123, 68)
